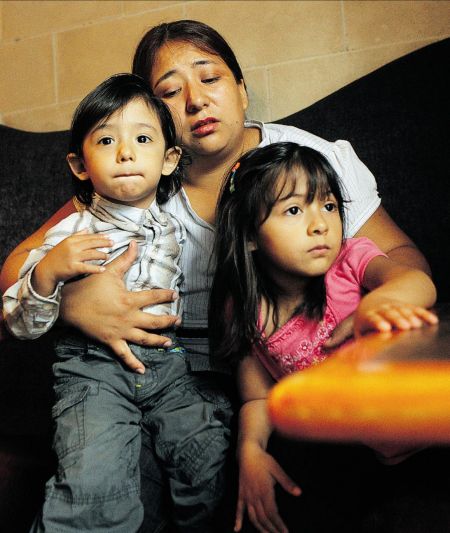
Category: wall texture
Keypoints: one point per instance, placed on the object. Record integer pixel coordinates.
(293, 52)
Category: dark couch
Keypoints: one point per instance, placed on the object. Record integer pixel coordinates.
(395, 118)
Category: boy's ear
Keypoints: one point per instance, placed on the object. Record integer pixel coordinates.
(171, 159)
(76, 165)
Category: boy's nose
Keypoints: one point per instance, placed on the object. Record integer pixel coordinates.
(125, 153)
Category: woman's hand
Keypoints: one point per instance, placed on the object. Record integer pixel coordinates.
(102, 307)
(258, 474)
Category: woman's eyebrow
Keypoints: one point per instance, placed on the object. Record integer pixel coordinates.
(196, 63)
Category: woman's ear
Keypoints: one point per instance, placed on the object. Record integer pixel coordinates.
(171, 159)
(252, 246)
(244, 95)
(76, 165)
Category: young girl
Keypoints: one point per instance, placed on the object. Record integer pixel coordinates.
(284, 279)
(125, 162)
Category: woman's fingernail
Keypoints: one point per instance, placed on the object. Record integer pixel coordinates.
(167, 344)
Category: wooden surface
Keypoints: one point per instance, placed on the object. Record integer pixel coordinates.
(390, 387)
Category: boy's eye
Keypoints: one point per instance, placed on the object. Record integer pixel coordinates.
(294, 210)
(105, 140)
(330, 207)
(143, 139)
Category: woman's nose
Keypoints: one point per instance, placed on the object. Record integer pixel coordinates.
(196, 99)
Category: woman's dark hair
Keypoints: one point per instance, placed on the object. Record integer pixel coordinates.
(110, 96)
(248, 196)
(193, 32)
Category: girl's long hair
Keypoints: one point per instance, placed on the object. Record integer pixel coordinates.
(249, 193)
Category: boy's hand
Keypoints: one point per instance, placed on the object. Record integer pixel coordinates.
(68, 259)
(385, 315)
(258, 474)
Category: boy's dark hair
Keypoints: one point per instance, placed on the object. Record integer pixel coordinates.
(193, 32)
(107, 98)
(248, 196)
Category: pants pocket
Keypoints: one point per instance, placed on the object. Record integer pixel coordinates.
(69, 417)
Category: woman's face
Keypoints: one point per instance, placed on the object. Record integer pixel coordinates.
(207, 103)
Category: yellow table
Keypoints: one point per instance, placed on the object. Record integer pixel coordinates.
(391, 386)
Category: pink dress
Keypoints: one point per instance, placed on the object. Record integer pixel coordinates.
(299, 343)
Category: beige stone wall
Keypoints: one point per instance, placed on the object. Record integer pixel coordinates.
(293, 52)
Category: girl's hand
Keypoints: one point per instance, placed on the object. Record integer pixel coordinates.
(385, 315)
(258, 474)
(68, 259)
(101, 307)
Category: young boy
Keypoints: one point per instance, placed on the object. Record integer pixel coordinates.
(125, 162)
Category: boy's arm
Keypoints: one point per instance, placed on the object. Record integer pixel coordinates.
(398, 297)
(13, 263)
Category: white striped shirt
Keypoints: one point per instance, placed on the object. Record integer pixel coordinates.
(159, 235)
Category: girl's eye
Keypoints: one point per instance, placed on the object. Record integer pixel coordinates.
(105, 140)
(294, 210)
(143, 139)
(330, 207)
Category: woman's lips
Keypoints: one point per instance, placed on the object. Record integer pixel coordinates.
(204, 127)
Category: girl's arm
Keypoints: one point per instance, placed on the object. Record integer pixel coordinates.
(258, 471)
(398, 298)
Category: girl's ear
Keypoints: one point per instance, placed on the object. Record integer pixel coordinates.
(76, 165)
(171, 159)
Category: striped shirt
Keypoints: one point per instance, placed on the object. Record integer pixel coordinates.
(160, 238)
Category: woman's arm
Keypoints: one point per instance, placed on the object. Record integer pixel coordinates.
(384, 232)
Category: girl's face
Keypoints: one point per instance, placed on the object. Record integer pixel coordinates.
(207, 103)
(125, 155)
(298, 239)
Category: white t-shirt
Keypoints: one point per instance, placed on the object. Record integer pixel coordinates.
(360, 188)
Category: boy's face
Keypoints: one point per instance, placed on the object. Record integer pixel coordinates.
(125, 156)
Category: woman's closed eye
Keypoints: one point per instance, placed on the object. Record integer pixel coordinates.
(210, 79)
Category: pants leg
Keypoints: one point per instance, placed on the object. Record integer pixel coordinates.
(189, 416)
(97, 442)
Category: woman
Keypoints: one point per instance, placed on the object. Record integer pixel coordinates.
(195, 72)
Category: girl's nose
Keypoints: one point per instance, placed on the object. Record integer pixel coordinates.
(317, 225)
